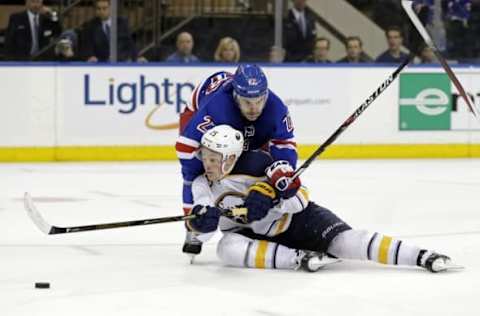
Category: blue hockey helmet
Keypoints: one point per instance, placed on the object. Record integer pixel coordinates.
(249, 81)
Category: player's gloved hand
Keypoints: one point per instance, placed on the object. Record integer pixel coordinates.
(206, 220)
(259, 200)
(279, 174)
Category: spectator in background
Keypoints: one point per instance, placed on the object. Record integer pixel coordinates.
(183, 54)
(458, 15)
(96, 37)
(395, 41)
(228, 51)
(299, 32)
(426, 55)
(474, 30)
(30, 31)
(354, 49)
(320, 51)
(276, 55)
(431, 14)
(423, 9)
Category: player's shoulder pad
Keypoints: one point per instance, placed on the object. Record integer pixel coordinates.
(253, 163)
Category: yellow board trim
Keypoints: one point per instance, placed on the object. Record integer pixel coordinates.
(394, 151)
(87, 153)
(129, 153)
(261, 253)
(383, 250)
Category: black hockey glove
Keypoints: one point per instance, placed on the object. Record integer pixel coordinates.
(260, 199)
(206, 220)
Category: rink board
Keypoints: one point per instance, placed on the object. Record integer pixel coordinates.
(130, 112)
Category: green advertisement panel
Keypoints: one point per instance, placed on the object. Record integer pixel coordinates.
(425, 102)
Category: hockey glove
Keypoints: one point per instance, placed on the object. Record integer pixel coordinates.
(279, 174)
(259, 200)
(206, 220)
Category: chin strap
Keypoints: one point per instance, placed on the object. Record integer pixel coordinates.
(227, 171)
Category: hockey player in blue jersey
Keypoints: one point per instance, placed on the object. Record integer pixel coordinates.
(276, 232)
(244, 102)
(201, 93)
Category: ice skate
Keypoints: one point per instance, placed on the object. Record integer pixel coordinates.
(312, 261)
(192, 246)
(435, 262)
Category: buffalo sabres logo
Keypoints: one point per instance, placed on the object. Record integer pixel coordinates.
(232, 200)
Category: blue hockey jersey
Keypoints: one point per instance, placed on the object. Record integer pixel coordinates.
(272, 131)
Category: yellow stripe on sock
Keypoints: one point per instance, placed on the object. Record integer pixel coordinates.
(261, 252)
(383, 250)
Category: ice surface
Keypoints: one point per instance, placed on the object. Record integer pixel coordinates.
(141, 270)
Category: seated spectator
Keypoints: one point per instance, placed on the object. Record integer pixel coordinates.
(96, 37)
(320, 51)
(395, 41)
(300, 32)
(30, 31)
(228, 51)
(183, 54)
(355, 54)
(426, 55)
(277, 55)
(458, 15)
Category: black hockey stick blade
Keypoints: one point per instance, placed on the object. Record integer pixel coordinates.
(48, 229)
(407, 6)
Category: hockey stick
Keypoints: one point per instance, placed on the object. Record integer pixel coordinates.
(349, 121)
(407, 6)
(48, 229)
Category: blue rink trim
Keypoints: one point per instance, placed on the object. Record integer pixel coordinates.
(225, 65)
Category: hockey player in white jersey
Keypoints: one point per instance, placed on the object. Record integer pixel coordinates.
(281, 233)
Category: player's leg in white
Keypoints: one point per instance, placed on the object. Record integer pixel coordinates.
(364, 245)
(239, 251)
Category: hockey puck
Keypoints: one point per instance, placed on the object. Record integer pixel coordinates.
(42, 285)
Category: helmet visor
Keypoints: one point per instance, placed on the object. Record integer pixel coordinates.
(251, 108)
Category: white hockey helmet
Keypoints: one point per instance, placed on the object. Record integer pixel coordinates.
(224, 140)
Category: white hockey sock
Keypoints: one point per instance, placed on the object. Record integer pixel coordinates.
(239, 251)
(363, 245)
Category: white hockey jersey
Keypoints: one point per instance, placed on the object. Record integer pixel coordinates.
(231, 191)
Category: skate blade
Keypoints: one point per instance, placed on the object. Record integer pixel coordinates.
(449, 267)
(324, 263)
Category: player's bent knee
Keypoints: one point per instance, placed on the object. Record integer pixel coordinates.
(232, 249)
